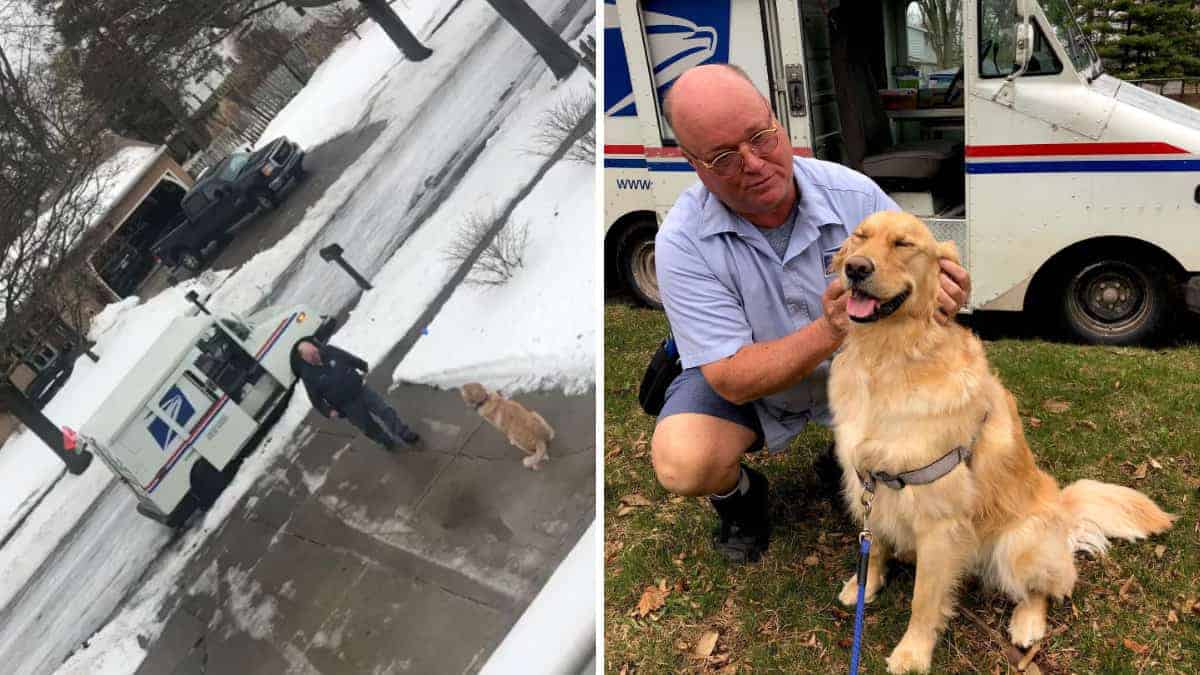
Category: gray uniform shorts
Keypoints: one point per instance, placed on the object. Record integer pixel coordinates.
(691, 393)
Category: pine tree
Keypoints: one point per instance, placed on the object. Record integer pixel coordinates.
(1141, 39)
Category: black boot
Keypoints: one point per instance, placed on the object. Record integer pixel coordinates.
(745, 529)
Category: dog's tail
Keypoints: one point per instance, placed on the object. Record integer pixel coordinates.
(1103, 511)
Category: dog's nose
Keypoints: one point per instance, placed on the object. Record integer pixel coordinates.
(859, 268)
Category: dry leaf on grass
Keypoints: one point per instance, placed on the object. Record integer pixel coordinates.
(1156, 464)
(706, 644)
(1135, 647)
(1089, 424)
(1056, 406)
(612, 453)
(1034, 422)
(1123, 593)
(636, 499)
(653, 598)
(812, 560)
(1172, 617)
(1159, 551)
(1139, 472)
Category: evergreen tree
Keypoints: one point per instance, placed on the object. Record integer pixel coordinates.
(1140, 39)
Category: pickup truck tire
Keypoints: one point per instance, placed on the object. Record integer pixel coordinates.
(266, 200)
(635, 262)
(1113, 300)
(189, 259)
(207, 483)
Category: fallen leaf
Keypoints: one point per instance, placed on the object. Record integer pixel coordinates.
(1056, 406)
(653, 598)
(624, 511)
(1172, 617)
(677, 499)
(706, 644)
(719, 659)
(1135, 647)
(812, 560)
(1034, 422)
(1117, 384)
(1124, 592)
(845, 643)
(1159, 551)
(1155, 463)
(636, 499)
(1139, 472)
(1089, 424)
(613, 453)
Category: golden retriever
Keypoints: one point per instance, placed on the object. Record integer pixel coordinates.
(905, 390)
(524, 428)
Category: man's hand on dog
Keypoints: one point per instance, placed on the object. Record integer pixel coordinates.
(833, 301)
(955, 290)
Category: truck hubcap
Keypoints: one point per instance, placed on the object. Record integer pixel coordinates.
(1111, 293)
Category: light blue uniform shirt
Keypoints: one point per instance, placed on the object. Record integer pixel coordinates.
(723, 286)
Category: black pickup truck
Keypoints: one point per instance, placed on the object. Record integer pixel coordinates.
(236, 187)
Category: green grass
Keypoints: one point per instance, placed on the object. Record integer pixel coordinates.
(1130, 409)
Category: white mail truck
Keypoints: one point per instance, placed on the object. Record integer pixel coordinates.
(1068, 191)
(176, 425)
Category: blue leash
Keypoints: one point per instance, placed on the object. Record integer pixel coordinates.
(864, 550)
(864, 557)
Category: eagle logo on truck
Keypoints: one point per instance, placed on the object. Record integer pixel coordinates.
(679, 35)
(179, 408)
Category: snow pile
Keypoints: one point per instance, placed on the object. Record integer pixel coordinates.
(343, 88)
(536, 331)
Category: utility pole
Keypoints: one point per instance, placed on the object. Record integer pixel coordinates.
(381, 13)
(549, 44)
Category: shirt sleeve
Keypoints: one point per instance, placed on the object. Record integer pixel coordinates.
(707, 318)
(883, 202)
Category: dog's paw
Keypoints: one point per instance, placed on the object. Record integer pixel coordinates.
(849, 594)
(910, 657)
(1027, 626)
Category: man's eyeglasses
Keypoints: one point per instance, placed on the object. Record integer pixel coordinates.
(730, 162)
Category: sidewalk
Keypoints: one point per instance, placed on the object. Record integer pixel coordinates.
(349, 559)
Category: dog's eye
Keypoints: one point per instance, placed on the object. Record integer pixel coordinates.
(902, 242)
(861, 236)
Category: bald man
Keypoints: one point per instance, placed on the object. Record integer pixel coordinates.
(742, 260)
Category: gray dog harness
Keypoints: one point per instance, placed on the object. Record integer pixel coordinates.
(925, 475)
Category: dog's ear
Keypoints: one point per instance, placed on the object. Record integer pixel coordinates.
(948, 250)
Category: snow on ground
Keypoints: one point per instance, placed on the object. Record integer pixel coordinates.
(342, 89)
(28, 467)
(537, 331)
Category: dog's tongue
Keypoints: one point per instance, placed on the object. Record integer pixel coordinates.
(861, 306)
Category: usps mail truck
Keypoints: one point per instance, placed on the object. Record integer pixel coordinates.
(1067, 191)
(175, 426)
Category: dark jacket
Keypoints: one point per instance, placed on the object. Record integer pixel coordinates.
(336, 381)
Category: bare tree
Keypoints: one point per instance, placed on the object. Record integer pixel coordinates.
(499, 259)
(943, 19)
(50, 150)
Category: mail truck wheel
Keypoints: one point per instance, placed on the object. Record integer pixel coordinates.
(1108, 300)
(207, 483)
(635, 262)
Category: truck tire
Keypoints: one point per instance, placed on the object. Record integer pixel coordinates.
(183, 510)
(1115, 301)
(189, 259)
(266, 200)
(207, 483)
(635, 262)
